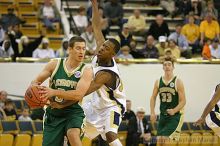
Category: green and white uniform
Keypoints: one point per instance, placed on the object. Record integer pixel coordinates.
(58, 121)
(169, 125)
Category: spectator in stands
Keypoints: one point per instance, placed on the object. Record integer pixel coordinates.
(134, 51)
(3, 98)
(18, 33)
(125, 53)
(209, 28)
(168, 6)
(62, 52)
(137, 23)
(191, 32)
(80, 19)
(6, 49)
(89, 37)
(10, 110)
(139, 131)
(104, 22)
(48, 14)
(2, 114)
(129, 113)
(174, 48)
(194, 8)
(181, 41)
(114, 13)
(214, 50)
(153, 2)
(10, 19)
(206, 53)
(162, 45)
(124, 37)
(210, 8)
(25, 115)
(89, 9)
(2, 34)
(37, 114)
(159, 28)
(44, 51)
(181, 7)
(149, 50)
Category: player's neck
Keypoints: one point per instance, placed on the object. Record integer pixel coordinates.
(71, 63)
(105, 62)
(168, 76)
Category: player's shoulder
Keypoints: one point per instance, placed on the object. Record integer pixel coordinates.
(53, 63)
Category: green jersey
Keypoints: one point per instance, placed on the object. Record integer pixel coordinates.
(62, 79)
(169, 97)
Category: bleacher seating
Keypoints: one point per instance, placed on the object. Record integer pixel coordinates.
(6, 140)
(22, 140)
(26, 127)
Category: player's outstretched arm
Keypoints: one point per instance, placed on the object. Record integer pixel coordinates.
(45, 73)
(209, 107)
(153, 116)
(101, 79)
(96, 24)
(182, 98)
(75, 95)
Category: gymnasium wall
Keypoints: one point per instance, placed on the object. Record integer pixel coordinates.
(199, 81)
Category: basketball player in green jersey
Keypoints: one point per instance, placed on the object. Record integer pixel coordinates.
(172, 100)
(68, 77)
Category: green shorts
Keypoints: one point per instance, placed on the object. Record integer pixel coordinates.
(170, 126)
(55, 127)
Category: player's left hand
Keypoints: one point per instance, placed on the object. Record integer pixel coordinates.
(46, 92)
(171, 112)
(200, 121)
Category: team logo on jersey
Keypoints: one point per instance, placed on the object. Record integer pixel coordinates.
(172, 84)
(77, 74)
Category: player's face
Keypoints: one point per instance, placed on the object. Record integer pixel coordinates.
(78, 51)
(168, 66)
(106, 50)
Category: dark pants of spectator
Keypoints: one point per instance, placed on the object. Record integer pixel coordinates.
(49, 22)
(187, 54)
(135, 140)
(196, 49)
(118, 23)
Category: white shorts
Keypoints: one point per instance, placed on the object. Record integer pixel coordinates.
(101, 121)
(213, 122)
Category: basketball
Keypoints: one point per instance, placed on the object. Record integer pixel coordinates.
(32, 97)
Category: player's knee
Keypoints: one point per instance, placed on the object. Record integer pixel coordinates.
(73, 134)
(111, 136)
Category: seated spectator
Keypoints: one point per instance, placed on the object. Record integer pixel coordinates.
(125, 53)
(149, 50)
(215, 49)
(18, 34)
(159, 28)
(113, 11)
(10, 19)
(124, 37)
(25, 115)
(48, 14)
(44, 51)
(168, 6)
(6, 49)
(162, 45)
(2, 34)
(209, 28)
(153, 2)
(210, 8)
(134, 51)
(62, 52)
(3, 98)
(37, 114)
(181, 7)
(137, 23)
(139, 131)
(206, 53)
(194, 8)
(2, 114)
(181, 41)
(174, 48)
(10, 110)
(89, 37)
(191, 32)
(129, 113)
(80, 19)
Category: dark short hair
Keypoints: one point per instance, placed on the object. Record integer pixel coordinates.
(171, 59)
(75, 39)
(8, 102)
(116, 43)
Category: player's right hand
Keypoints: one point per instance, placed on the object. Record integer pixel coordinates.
(153, 118)
(200, 121)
